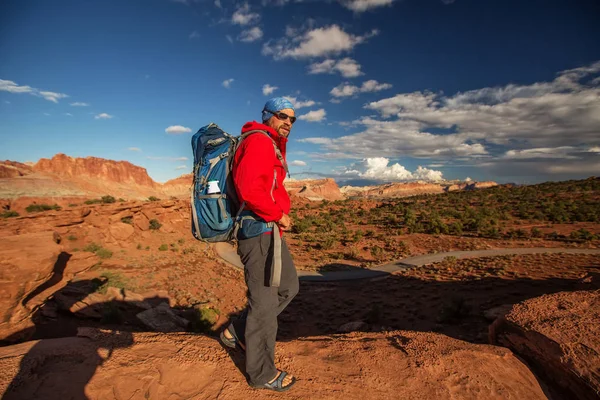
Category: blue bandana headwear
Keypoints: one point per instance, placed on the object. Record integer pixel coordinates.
(274, 105)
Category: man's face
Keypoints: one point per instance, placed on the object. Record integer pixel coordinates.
(281, 126)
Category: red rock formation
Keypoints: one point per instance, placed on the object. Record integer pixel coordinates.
(178, 187)
(12, 169)
(560, 335)
(405, 189)
(482, 185)
(93, 167)
(314, 189)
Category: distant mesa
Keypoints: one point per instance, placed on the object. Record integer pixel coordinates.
(65, 176)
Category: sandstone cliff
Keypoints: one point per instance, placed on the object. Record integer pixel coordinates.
(314, 189)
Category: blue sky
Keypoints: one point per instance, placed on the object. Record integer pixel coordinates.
(385, 90)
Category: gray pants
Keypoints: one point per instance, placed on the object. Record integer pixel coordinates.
(257, 326)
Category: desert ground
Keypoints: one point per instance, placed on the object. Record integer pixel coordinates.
(106, 297)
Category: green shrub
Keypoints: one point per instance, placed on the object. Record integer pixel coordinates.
(155, 225)
(42, 207)
(113, 279)
(377, 252)
(163, 247)
(181, 241)
(153, 198)
(98, 250)
(92, 247)
(108, 199)
(188, 250)
(9, 214)
(93, 201)
(203, 319)
(72, 237)
(328, 243)
(536, 233)
(104, 253)
(127, 220)
(73, 205)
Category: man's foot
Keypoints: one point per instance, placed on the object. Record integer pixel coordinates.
(230, 340)
(280, 383)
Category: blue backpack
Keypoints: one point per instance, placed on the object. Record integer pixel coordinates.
(216, 212)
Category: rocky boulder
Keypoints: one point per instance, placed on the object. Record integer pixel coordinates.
(559, 334)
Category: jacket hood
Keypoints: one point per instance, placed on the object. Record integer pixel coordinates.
(253, 125)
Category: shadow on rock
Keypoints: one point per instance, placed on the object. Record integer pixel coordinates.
(85, 322)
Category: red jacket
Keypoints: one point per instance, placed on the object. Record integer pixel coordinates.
(253, 166)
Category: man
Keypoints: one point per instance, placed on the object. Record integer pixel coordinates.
(258, 175)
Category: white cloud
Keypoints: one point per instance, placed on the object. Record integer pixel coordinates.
(194, 35)
(347, 90)
(103, 116)
(227, 83)
(317, 42)
(347, 67)
(298, 163)
(268, 89)
(79, 104)
(53, 96)
(359, 6)
(541, 152)
(243, 16)
(542, 130)
(314, 116)
(300, 103)
(68, 114)
(47, 114)
(134, 149)
(181, 167)
(177, 129)
(13, 87)
(229, 38)
(251, 35)
(377, 168)
(218, 4)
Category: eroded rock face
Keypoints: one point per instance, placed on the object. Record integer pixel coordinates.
(560, 335)
(315, 189)
(12, 169)
(110, 170)
(394, 365)
(26, 262)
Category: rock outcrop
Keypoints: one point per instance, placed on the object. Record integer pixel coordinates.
(314, 189)
(97, 168)
(26, 262)
(559, 334)
(179, 187)
(12, 169)
(393, 365)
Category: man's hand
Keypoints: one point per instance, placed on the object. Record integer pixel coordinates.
(285, 223)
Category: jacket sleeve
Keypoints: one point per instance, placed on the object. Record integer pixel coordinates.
(253, 176)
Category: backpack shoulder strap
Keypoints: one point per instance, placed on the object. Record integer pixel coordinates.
(277, 151)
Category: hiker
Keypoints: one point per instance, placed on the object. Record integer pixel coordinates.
(258, 174)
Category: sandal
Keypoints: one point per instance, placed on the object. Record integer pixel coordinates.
(277, 384)
(233, 342)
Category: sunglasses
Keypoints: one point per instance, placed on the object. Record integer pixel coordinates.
(282, 116)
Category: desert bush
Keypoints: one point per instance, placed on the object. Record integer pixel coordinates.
(536, 233)
(127, 220)
(377, 252)
(301, 226)
(139, 246)
(351, 254)
(155, 225)
(108, 199)
(181, 241)
(9, 214)
(153, 198)
(202, 319)
(92, 247)
(328, 242)
(163, 247)
(72, 237)
(42, 207)
(93, 201)
(114, 279)
(582, 234)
